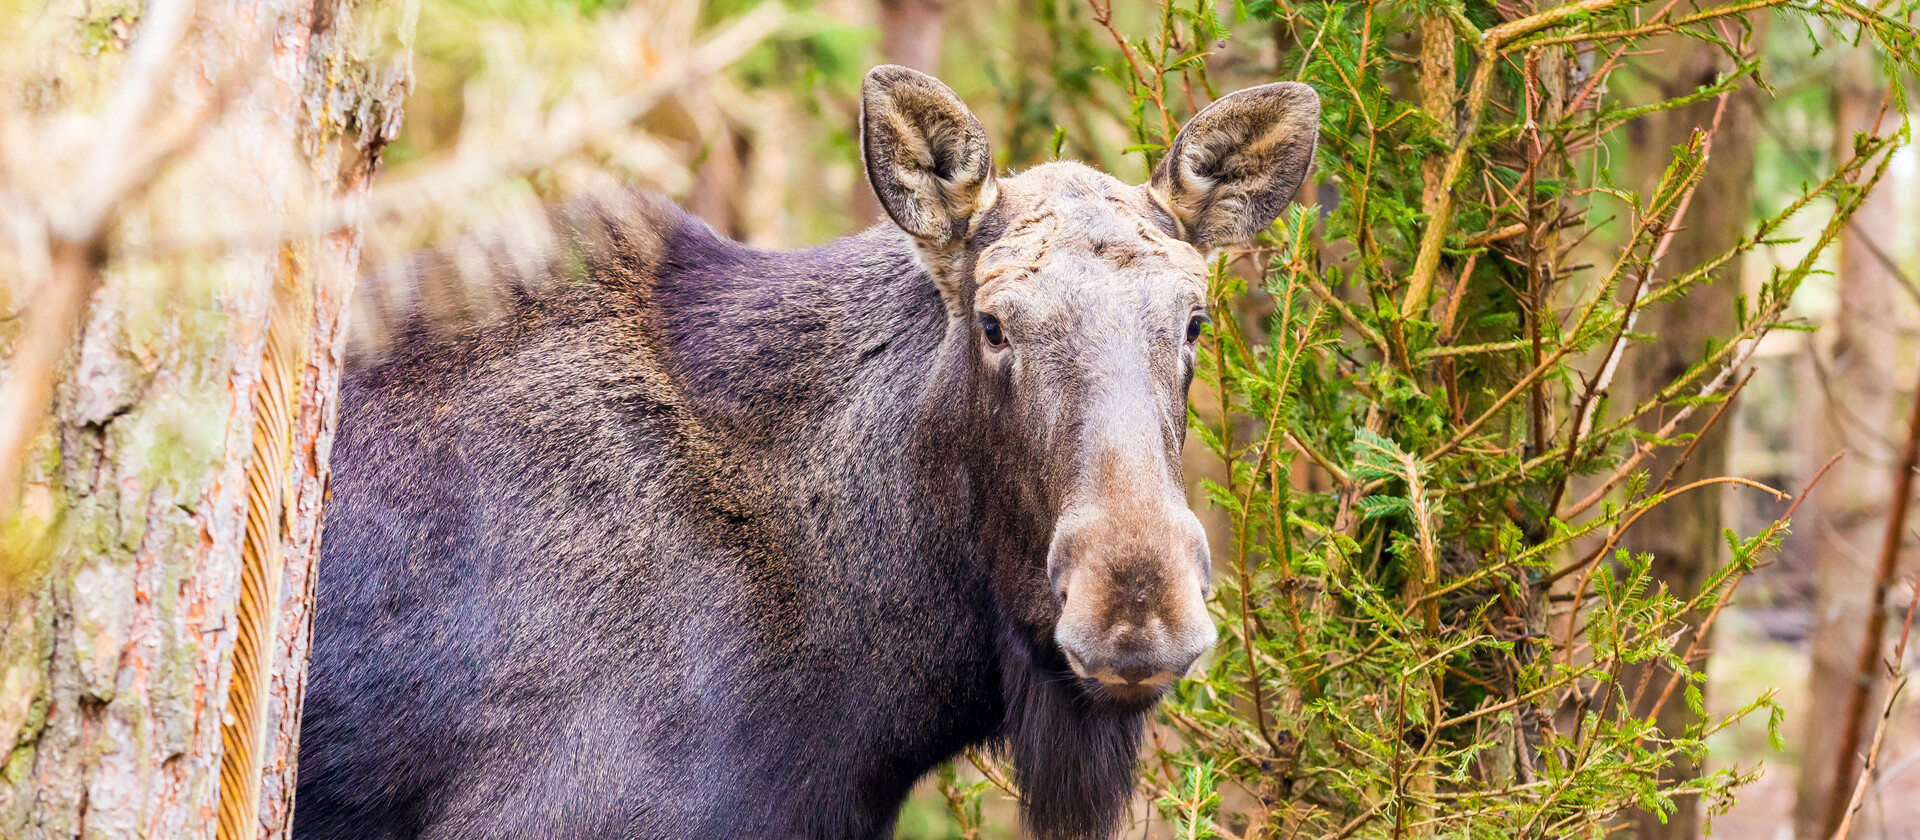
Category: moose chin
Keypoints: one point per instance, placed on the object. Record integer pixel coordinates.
(702, 541)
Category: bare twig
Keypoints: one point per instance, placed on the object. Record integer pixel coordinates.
(1734, 353)
(1706, 624)
(1617, 347)
(1154, 87)
(1845, 827)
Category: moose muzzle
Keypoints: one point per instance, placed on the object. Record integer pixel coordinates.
(1132, 583)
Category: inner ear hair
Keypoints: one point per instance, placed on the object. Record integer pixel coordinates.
(1237, 164)
(926, 155)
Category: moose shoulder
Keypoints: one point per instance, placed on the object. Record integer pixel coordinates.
(709, 542)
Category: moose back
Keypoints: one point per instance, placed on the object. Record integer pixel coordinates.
(700, 541)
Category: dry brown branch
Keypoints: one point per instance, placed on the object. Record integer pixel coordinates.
(1706, 624)
(1654, 219)
(1740, 347)
(1873, 757)
(1618, 531)
(1673, 471)
(1153, 86)
(1617, 347)
(1642, 450)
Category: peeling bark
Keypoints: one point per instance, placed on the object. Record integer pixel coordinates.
(126, 553)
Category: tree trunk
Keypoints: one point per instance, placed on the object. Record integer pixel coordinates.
(157, 577)
(910, 33)
(719, 183)
(1684, 535)
(1842, 528)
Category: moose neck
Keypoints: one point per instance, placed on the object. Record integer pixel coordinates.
(851, 387)
(860, 399)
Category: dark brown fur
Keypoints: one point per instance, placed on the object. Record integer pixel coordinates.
(699, 541)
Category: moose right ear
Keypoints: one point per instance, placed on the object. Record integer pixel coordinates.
(1237, 163)
(926, 154)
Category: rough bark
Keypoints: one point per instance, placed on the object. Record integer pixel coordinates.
(171, 508)
(1857, 375)
(1684, 535)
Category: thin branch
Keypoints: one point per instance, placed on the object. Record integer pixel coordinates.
(1735, 352)
(990, 770)
(1873, 758)
(1589, 400)
(43, 340)
(1706, 624)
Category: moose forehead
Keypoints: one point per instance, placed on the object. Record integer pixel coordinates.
(1064, 216)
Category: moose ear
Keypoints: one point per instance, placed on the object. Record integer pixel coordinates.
(1237, 163)
(926, 154)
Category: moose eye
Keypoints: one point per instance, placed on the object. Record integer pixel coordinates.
(1194, 325)
(990, 328)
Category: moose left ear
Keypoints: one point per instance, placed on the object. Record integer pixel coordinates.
(926, 154)
(1237, 163)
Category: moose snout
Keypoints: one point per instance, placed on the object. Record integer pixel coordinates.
(1135, 655)
(1133, 597)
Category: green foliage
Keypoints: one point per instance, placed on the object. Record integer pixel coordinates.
(1426, 628)
(1191, 805)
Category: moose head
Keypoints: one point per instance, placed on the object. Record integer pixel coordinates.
(1082, 300)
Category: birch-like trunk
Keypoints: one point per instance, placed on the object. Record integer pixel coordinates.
(156, 579)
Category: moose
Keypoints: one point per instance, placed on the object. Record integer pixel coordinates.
(703, 541)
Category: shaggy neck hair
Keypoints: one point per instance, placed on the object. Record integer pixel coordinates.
(1074, 765)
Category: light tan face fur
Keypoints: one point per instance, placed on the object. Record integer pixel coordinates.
(1094, 295)
(1080, 296)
